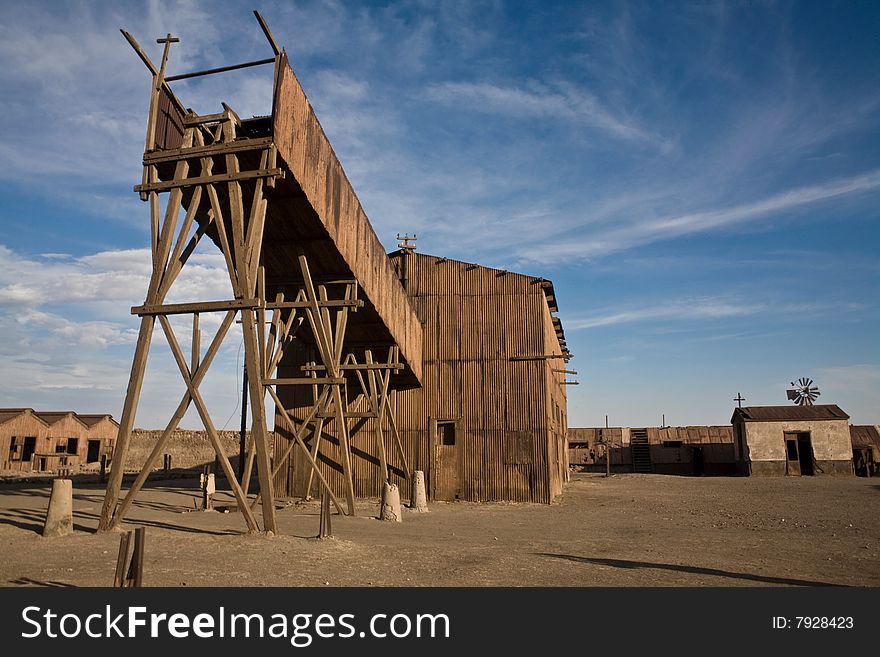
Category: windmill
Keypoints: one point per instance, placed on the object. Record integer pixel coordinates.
(803, 392)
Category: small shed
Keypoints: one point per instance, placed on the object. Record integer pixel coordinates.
(792, 440)
(866, 449)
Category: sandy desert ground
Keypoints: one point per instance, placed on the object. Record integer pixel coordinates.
(627, 530)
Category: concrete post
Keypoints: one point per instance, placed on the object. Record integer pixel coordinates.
(59, 516)
(206, 481)
(418, 499)
(390, 503)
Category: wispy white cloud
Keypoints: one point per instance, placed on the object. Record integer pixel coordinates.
(564, 102)
(704, 308)
(636, 233)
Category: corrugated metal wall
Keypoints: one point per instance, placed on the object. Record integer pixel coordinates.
(509, 442)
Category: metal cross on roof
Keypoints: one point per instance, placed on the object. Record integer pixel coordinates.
(739, 399)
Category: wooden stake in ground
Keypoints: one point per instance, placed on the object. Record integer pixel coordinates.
(130, 567)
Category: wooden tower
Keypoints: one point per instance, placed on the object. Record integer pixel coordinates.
(307, 272)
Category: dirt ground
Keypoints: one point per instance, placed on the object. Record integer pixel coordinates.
(627, 530)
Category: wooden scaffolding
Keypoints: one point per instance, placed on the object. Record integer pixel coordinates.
(213, 173)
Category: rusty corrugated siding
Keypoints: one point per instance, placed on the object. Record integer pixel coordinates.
(305, 149)
(864, 435)
(474, 319)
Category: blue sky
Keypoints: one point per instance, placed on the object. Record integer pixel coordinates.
(701, 182)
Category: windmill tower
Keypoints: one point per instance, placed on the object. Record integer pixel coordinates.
(803, 392)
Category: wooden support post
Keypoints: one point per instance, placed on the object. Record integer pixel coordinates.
(130, 569)
(126, 422)
(139, 481)
(305, 449)
(325, 530)
(209, 425)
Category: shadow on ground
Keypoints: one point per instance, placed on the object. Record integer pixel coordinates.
(696, 570)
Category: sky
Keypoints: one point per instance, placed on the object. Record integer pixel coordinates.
(701, 181)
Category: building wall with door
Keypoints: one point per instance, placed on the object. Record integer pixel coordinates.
(688, 450)
(490, 420)
(45, 441)
(767, 430)
(101, 434)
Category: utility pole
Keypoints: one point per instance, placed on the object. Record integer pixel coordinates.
(607, 450)
(242, 436)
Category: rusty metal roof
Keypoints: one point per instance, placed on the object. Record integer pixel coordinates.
(7, 414)
(864, 435)
(93, 419)
(783, 413)
(51, 417)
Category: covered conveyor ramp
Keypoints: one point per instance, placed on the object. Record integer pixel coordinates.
(321, 308)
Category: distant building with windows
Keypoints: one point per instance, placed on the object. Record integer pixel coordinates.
(45, 441)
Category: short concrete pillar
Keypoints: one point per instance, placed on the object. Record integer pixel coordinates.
(390, 504)
(418, 498)
(206, 482)
(59, 516)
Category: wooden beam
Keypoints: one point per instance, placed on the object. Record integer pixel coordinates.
(160, 157)
(330, 303)
(209, 424)
(220, 69)
(148, 465)
(265, 27)
(305, 450)
(126, 422)
(330, 380)
(541, 357)
(355, 366)
(209, 180)
(201, 307)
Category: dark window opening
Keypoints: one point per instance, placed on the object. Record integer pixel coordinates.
(72, 445)
(61, 448)
(791, 446)
(94, 451)
(446, 433)
(30, 446)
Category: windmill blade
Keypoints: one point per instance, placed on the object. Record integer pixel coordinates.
(791, 394)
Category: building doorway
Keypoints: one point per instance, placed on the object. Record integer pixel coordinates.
(446, 460)
(698, 462)
(30, 446)
(798, 453)
(94, 453)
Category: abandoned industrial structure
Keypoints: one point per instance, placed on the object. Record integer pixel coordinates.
(489, 421)
(335, 331)
(761, 440)
(691, 450)
(42, 441)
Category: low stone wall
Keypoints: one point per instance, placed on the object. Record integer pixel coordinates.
(188, 449)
